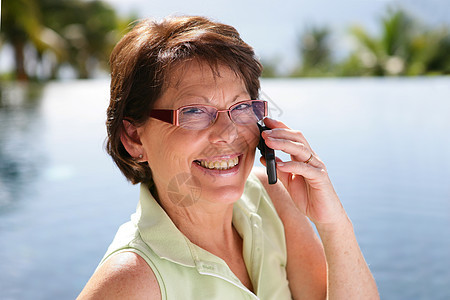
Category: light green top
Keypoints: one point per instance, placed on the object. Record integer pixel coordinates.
(186, 271)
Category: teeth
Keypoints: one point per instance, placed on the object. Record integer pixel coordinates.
(223, 165)
(220, 164)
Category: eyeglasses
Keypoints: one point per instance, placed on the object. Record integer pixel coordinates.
(198, 116)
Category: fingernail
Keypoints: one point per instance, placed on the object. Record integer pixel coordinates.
(268, 132)
(280, 163)
(267, 118)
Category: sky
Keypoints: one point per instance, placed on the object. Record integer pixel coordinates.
(273, 27)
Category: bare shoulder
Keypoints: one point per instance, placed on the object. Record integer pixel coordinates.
(123, 276)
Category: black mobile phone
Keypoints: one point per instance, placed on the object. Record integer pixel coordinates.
(269, 155)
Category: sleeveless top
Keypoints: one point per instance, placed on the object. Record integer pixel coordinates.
(186, 271)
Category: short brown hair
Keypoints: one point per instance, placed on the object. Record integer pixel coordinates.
(142, 61)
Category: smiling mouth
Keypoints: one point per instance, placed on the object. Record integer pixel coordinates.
(224, 164)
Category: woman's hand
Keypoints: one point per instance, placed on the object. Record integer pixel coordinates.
(307, 182)
(305, 176)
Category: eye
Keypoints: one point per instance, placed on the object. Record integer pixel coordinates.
(194, 110)
(242, 106)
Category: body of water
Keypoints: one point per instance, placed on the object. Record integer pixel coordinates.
(386, 144)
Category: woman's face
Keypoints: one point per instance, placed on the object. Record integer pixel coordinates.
(211, 164)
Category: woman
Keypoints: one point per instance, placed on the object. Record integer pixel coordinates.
(182, 123)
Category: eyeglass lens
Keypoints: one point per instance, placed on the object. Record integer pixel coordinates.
(203, 116)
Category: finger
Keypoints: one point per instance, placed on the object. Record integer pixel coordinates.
(272, 123)
(280, 130)
(298, 151)
(262, 159)
(283, 176)
(289, 134)
(315, 176)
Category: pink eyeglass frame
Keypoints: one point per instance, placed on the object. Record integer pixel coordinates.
(171, 115)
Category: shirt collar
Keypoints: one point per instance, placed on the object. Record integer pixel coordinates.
(168, 242)
(159, 232)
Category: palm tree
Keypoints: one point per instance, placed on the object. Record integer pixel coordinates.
(19, 23)
(78, 33)
(315, 52)
(386, 55)
(22, 24)
(88, 28)
(404, 48)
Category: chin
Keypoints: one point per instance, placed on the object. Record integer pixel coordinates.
(227, 194)
(223, 185)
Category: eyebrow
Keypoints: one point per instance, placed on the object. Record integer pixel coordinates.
(207, 101)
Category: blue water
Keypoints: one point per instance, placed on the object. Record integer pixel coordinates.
(386, 144)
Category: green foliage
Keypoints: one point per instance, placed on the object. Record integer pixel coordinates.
(77, 33)
(315, 52)
(87, 28)
(270, 67)
(81, 34)
(404, 48)
(21, 22)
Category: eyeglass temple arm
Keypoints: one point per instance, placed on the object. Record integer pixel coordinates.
(165, 115)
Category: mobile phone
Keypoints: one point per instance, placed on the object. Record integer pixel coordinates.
(269, 155)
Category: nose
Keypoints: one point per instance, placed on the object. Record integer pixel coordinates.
(224, 130)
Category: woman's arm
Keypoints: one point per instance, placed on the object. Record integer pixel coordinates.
(306, 265)
(349, 276)
(309, 192)
(123, 276)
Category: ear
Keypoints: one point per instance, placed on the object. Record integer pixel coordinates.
(130, 139)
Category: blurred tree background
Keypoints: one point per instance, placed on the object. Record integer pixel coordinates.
(50, 37)
(404, 47)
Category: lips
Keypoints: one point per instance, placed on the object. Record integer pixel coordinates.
(218, 164)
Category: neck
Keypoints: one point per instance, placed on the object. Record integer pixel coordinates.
(206, 224)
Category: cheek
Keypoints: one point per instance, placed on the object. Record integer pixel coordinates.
(173, 149)
(248, 139)
(251, 135)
